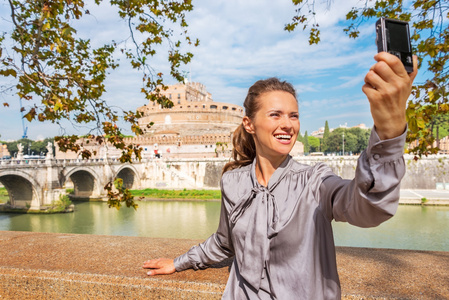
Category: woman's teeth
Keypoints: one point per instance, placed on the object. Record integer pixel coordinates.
(283, 136)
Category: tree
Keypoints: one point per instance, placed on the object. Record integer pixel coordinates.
(325, 137)
(314, 144)
(440, 126)
(334, 141)
(305, 141)
(33, 147)
(350, 140)
(61, 76)
(430, 42)
(336, 138)
(361, 138)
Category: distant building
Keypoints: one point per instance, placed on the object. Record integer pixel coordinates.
(443, 145)
(4, 153)
(194, 113)
(318, 133)
(195, 126)
(361, 126)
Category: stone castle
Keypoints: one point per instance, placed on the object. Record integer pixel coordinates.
(195, 127)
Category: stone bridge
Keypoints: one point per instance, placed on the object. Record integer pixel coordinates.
(36, 183)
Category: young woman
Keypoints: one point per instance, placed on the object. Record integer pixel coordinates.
(276, 214)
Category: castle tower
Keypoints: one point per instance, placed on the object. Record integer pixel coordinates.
(193, 113)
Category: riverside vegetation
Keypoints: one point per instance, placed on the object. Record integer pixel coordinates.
(4, 197)
(178, 194)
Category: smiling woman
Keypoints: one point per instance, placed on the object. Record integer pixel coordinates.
(276, 213)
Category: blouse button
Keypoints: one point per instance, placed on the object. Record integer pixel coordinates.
(376, 156)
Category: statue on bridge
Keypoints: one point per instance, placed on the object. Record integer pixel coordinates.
(20, 153)
(49, 151)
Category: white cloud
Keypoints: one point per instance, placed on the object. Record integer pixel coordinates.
(350, 81)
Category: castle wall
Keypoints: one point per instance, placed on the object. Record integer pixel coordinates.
(194, 146)
(222, 117)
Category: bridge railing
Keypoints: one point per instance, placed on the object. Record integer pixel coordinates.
(75, 161)
(15, 162)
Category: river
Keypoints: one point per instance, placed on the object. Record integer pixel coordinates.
(413, 227)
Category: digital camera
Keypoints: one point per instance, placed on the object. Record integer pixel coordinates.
(393, 36)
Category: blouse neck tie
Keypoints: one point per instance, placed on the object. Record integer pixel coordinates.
(263, 225)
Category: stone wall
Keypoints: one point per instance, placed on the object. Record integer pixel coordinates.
(426, 173)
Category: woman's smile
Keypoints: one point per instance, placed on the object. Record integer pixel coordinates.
(283, 138)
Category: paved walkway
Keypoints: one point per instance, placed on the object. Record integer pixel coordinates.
(70, 266)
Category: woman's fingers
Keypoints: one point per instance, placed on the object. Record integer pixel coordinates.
(391, 65)
(388, 70)
(160, 266)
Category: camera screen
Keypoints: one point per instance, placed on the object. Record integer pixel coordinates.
(398, 37)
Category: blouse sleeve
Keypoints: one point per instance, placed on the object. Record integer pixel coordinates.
(215, 249)
(372, 197)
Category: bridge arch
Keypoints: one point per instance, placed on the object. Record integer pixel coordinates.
(130, 176)
(86, 182)
(22, 188)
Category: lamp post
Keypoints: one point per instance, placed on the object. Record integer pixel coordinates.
(343, 140)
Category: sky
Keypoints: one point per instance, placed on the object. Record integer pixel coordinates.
(240, 43)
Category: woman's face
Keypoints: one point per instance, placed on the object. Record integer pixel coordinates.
(275, 126)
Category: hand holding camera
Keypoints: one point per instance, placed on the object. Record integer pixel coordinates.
(389, 82)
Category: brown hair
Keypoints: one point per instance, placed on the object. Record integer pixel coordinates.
(244, 150)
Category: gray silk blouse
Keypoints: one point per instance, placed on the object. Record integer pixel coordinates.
(281, 236)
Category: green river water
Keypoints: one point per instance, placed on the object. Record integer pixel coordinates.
(413, 227)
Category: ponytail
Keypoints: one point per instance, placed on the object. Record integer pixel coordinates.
(244, 150)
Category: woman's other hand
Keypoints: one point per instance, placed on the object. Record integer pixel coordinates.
(388, 86)
(160, 266)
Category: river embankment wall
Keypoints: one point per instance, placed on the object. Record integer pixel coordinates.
(74, 266)
(430, 172)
